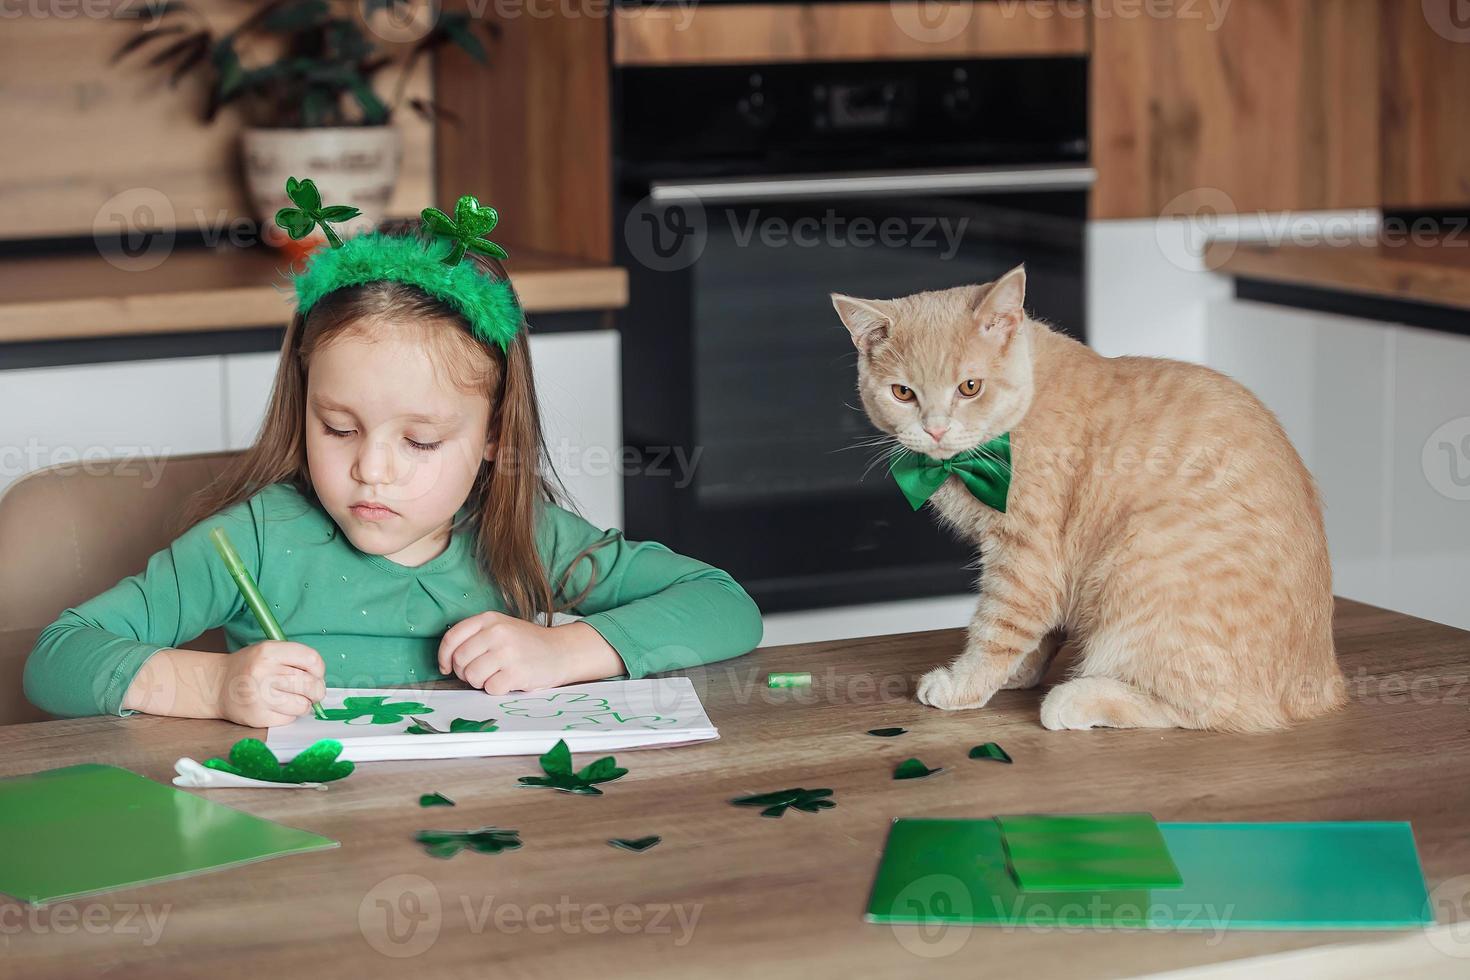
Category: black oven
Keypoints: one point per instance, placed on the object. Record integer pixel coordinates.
(745, 196)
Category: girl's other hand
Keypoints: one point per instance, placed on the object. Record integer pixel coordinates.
(272, 682)
(500, 654)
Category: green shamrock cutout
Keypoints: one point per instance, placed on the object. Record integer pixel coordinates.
(635, 844)
(374, 709)
(486, 840)
(613, 719)
(253, 759)
(421, 727)
(470, 222)
(913, 769)
(990, 751)
(777, 803)
(308, 212)
(435, 799)
(554, 706)
(557, 764)
(887, 732)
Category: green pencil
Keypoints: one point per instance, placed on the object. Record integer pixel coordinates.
(251, 592)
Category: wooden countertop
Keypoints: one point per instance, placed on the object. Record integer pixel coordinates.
(1421, 273)
(86, 295)
(770, 898)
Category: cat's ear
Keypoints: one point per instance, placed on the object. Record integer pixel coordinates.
(868, 320)
(1000, 309)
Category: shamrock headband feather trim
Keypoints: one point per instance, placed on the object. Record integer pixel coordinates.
(432, 263)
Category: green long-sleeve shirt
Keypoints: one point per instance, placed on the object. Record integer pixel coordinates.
(375, 623)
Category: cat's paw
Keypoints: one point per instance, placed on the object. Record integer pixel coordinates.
(943, 688)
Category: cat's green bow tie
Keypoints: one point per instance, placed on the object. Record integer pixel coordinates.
(985, 470)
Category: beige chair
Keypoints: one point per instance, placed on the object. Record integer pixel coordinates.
(71, 531)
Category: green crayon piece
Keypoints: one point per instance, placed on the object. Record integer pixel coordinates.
(788, 680)
(251, 592)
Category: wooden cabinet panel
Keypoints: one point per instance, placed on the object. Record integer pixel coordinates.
(532, 136)
(765, 33)
(1426, 121)
(1275, 105)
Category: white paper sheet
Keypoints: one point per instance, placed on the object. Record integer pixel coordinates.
(596, 717)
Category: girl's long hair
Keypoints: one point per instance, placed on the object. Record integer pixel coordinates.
(508, 492)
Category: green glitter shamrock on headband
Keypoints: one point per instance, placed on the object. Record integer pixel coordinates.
(431, 260)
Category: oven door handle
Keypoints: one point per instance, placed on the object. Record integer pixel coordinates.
(811, 187)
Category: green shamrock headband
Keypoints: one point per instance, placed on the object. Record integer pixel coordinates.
(488, 305)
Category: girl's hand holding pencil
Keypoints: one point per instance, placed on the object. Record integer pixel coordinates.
(277, 673)
(270, 683)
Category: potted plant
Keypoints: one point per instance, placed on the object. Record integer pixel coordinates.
(301, 74)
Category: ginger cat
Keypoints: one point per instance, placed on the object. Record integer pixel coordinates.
(1157, 516)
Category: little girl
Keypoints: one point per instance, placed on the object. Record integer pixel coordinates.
(394, 513)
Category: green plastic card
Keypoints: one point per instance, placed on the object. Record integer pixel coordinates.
(93, 828)
(1236, 876)
(1069, 852)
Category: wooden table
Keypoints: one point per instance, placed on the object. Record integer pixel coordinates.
(760, 897)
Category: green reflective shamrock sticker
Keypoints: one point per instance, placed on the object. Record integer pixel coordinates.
(421, 727)
(318, 763)
(486, 840)
(471, 221)
(375, 710)
(308, 212)
(777, 803)
(557, 765)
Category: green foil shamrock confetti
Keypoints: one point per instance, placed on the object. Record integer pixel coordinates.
(886, 732)
(435, 799)
(471, 220)
(318, 763)
(486, 840)
(777, 803)
(421, 727)
(376, 710)
(557, 764)
(913, 769)
(990, 751)
(636, 844)
(308, 212)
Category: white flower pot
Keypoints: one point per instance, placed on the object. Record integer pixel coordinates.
(354, 165)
